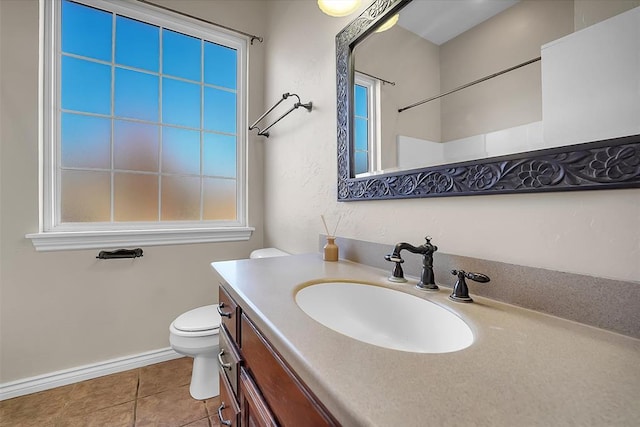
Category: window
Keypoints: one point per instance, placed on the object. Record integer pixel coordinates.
(365, 124)
(144, 119)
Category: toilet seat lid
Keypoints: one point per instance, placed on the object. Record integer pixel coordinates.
(198, 319)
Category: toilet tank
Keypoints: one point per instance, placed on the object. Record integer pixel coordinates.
(267, 253)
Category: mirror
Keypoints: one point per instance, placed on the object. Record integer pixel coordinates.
(480, 130)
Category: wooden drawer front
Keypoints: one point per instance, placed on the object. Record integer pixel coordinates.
(228, 310)
(292, 404)
(229, 360)
(229, 411)
(255, 412)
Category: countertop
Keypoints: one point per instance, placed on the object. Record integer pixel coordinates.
(523, 369)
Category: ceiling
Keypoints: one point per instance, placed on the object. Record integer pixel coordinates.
(441, 20)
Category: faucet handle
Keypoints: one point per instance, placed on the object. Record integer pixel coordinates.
(478, 277)
(461, 290)
(397, 275)
(393, 258)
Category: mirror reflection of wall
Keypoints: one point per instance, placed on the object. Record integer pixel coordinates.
(412, 63)
(499, 116)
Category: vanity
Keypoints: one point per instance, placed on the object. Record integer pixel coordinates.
(247, 359)
(281, 367)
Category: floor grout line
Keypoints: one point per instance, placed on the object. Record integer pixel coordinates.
(170, 382)
(135, 404)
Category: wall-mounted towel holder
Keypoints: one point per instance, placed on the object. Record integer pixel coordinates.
(264, 132)
(120, 253)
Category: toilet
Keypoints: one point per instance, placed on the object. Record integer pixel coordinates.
(267, 253)
(196, 333)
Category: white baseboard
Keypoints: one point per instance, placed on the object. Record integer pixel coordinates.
(81, 373)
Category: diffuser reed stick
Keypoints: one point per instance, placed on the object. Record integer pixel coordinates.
(326, 228)
(337, 223)
(325, 225)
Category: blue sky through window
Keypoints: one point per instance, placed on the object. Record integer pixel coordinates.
(219, 110)
(361, 134)
(86, 31)
(137, 44)
(361, 101)
(80, 78)
(220, 65)
(180, 103)
(138, 97)
(80, 151)
(219, 155)
(180, 151)
(181, 55)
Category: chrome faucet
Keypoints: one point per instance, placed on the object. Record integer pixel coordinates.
(427, 279)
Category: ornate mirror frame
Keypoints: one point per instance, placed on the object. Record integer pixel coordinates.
(598, 165)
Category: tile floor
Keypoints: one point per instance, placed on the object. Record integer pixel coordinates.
(156, 395)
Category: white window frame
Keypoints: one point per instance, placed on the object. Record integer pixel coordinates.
(373, 110)
(54, 236)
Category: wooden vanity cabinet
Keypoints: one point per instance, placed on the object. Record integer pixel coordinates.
(228, 361)
(268, 392)
(282, 390)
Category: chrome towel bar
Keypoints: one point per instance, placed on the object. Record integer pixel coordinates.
(264, 132)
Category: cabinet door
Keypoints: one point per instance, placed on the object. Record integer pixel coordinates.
(229, 411)
(288, 398)
(255, 412)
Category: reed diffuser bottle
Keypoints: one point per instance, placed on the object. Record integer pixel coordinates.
(330, 248)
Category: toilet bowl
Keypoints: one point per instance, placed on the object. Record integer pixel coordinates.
(195, 334)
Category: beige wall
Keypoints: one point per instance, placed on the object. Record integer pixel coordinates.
(413, 63)
(588, 12)
(66, 309)
(591, 232)
(509, 38)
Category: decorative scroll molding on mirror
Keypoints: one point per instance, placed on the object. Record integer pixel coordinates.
(603, 164)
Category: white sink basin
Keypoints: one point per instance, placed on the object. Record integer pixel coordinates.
(385, 317)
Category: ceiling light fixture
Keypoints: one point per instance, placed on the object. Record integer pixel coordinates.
(390, 23)
(338, 8)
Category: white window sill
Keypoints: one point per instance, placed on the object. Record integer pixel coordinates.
(70, 240)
